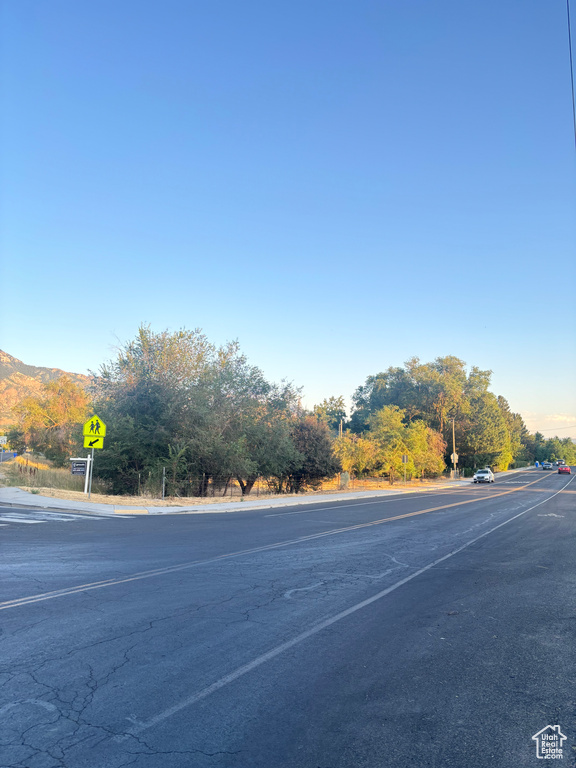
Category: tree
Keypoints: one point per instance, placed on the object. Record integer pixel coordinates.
(172, 360)
(175, 401)
(269, 446)
(332, 411)
(51, 422)
(358, 455)
(517, 432)
(395, 386)
(426, 449)
(388, 429)
(16, 439)
(432, 392)
(316, 459)
(486, 439)
(423, 446)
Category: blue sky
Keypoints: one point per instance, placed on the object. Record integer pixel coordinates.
(338, 185)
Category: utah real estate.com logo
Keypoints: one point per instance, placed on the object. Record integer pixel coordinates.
(549, 743)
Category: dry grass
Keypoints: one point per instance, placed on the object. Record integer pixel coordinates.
(29, 472)
(22, 461)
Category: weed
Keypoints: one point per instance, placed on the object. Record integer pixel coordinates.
(29, 473)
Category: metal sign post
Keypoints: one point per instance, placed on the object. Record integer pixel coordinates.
(90, 473)
(94, 433)
(88, 466)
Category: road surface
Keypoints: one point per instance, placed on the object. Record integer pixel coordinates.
(431, 629)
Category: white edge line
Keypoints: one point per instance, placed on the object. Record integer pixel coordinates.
(314, 630)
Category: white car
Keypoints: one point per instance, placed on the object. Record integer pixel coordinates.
(483, 476)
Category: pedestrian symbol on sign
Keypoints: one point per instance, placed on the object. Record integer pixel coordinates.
(94, 426)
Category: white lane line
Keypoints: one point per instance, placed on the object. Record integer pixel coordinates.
(20, 520)
(257, 662)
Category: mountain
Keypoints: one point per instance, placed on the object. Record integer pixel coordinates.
(18, 381)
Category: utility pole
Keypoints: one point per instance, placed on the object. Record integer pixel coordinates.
(454, 454)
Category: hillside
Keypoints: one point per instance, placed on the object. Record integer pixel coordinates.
(19, 380)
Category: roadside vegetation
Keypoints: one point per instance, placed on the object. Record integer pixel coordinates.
(32, 471)
(199, 420)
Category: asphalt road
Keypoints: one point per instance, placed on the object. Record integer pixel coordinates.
(433, 629)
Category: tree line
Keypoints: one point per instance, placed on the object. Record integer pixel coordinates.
(425, 411)
(176, 404)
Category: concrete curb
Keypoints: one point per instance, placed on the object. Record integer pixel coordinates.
(20, 498)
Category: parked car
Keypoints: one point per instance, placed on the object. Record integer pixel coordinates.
(547, 465)
(564, 469)
(483, 476)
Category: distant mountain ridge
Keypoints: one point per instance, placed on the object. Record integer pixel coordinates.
(19, 381)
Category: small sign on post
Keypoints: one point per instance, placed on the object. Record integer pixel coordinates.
(3, 439)
(93, 442)
(404, 461)
(86, 463)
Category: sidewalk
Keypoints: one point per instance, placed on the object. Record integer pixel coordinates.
(19, 498)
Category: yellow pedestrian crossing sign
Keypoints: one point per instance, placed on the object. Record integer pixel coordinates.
(94, 427)
(93, 442)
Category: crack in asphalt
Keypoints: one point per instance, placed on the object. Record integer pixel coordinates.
(70, 708)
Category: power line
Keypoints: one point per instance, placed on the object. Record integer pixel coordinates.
(571, 69)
